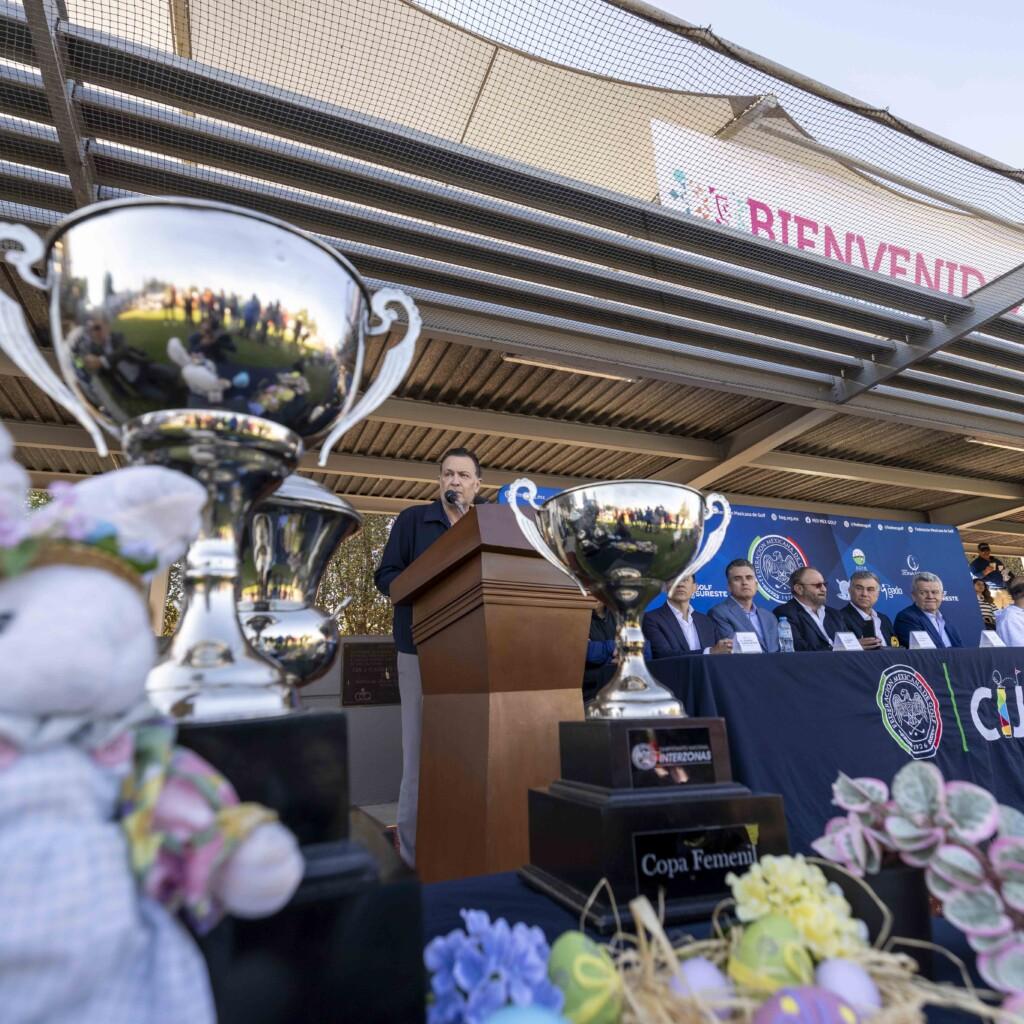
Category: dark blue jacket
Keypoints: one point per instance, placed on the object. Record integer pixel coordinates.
(412, 533)
(912, 620)
(806, 635)
(666, 637)
(855, 623)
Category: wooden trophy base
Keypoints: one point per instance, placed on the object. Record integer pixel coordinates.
(649, 807)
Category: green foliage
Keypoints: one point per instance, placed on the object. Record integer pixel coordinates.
(350, 574)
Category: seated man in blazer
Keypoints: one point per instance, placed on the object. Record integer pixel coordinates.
(738, 613)
(676, 629)
(814, 624)
(925, 614)
(859, 617)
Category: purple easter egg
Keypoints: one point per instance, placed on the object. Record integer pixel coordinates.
(805, 1005)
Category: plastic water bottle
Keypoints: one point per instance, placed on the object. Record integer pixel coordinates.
(785, 636)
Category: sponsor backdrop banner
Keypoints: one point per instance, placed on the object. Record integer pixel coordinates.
(797, 720)
(777, 542)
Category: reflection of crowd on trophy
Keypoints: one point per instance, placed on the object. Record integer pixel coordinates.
(145, 345)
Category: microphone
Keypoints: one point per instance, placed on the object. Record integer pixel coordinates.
(453, 499)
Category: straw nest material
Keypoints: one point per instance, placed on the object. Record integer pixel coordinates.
(647, 961)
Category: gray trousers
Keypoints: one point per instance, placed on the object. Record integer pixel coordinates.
(411, 689)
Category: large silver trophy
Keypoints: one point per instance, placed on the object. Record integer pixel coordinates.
(215, 341)
(287, 545)
(624, 542)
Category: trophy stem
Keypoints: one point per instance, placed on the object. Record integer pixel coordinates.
(210, 671)
(633, 692)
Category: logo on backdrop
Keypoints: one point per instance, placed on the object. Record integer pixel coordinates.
(910, 711)
(912, 566)
(774, 559)
(996, 694)
(858, 557)
(844, 589)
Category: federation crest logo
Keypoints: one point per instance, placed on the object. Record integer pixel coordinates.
(858, 556)
(910, 711)
(645, 757)
(774, 559)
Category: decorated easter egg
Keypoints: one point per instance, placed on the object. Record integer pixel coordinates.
(698, 976)
(806, 1005)
(525, 1015)
(584, 972)
(770, 955)
(851, 983)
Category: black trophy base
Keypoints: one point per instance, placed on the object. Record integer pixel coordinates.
(296, 764)
(645, 753)
(673, 844)
(349, 945)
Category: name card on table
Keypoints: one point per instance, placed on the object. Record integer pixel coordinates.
(990, 638)
(846, 642)
(921, 641)
(746, 643)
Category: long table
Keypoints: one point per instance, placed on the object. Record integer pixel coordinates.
(796, 720)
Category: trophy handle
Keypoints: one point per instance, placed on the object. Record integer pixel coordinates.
(714, 542)
(16, 340)
(529, 528)
(396, 363)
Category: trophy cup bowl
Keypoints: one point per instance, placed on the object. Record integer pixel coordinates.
(288, 542)
(219, 342)
(624, 542)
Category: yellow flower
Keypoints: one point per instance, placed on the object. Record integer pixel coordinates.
(801, 893)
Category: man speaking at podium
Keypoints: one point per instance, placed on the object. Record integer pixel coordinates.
(414, 530)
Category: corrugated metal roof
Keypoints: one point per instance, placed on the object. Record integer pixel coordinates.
(479, 378)
(769, 484)
(888, 444)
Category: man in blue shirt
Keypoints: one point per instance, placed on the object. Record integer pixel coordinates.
(739, 614)
(414, 530)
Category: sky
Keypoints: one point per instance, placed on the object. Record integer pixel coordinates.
(953, 67)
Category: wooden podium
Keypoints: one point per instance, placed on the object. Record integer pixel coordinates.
(502, 638)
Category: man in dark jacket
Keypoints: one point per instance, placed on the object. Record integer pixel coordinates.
(675, 629)
(925, 614)
(871, 628)
(412, 533)
(814, 624)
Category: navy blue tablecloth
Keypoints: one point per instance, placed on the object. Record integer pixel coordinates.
(796, 720)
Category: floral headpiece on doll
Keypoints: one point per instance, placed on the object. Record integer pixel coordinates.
(130, 522)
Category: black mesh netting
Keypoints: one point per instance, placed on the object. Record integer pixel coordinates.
(549, 141)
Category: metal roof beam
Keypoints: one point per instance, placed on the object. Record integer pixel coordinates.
(104, 60)
(391, 506)
(533, 428)
(754, 439)
(974, 511)
(68, 438)
(841, 469)
(988, 302)
(43, 18)
(590, 267)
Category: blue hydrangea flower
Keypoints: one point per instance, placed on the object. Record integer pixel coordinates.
(477, 970)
